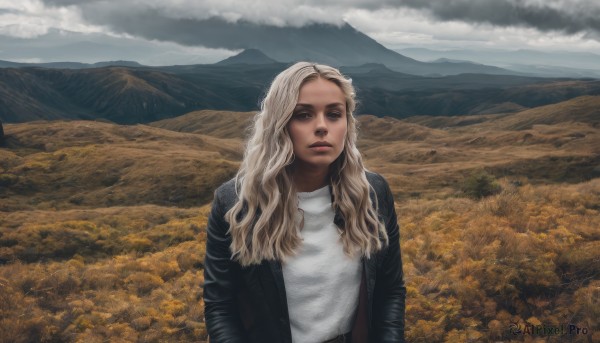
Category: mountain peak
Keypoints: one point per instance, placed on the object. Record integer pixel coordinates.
(248, 56)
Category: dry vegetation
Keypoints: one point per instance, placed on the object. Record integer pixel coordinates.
(58, 165)
(102, 226)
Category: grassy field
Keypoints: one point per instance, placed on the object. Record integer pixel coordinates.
(102, 226)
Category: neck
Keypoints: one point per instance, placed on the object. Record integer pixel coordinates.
(310, 179)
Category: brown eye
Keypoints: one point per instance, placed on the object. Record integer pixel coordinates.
(334, 115)
(302, 115)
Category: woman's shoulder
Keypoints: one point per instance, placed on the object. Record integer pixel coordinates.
(377, 181)
(381, 190)
(226, 195)
(226, 188)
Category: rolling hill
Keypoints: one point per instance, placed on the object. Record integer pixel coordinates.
(141, 95)
(59, 164)
(221, 124)
(116, 165)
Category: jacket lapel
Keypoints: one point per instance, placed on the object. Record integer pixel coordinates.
(277, 272)
(370, 269)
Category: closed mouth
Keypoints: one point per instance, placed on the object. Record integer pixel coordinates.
(318, 144)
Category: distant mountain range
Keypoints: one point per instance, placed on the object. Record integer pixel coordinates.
(70, 65)
(385, 57)
(143, 94)
(546, 64)
(322, 43)
(341, 45)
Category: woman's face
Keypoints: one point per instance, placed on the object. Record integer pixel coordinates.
(318, 125)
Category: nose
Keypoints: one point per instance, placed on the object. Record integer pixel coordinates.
(321, 125)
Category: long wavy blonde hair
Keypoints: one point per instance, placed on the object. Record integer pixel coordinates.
(265, 222)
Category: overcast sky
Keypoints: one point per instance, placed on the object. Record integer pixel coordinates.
(568, 25)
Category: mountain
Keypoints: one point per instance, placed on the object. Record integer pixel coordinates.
(116, 64)
(248, 56)
(8, 64)
(341, 45)
(70, 65)
(554, 71)
(374, 69)
(569, 59)
(329, 44)
(546, 64)
(448, 60)
(402, 96)
(118, 94)
(146, 94)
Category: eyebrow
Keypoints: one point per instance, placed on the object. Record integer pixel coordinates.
(335, 104)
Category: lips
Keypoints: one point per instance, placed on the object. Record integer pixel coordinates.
(318, 144)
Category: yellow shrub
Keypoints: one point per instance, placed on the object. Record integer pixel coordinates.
(143, 283)
(174, 307)
(142, 323)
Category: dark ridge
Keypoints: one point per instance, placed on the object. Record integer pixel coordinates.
(144, 94)
(248, 56)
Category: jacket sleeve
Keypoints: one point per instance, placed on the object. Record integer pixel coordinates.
(390, 279)
(221, 312)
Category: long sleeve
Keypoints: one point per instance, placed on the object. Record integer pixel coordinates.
(390, 281)
(220, 272)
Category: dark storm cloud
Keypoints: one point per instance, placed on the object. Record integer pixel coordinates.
(218, 33)
(566, 16)
(189, 22)
(59, 3)
(211, 33)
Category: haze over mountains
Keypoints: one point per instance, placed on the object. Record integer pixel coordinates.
(556, 63)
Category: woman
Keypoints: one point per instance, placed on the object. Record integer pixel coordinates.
(303, 245)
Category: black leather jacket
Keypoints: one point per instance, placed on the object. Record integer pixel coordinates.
(248, 304)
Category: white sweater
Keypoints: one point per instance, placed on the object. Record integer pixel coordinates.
(321, 282)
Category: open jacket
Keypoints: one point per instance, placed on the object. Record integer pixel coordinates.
(249, 304)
